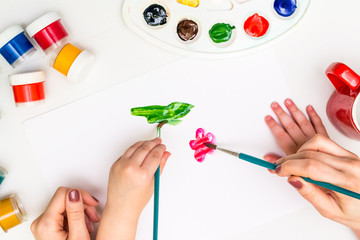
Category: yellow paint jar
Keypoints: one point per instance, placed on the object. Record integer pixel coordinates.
(73, 62)
(12, 213)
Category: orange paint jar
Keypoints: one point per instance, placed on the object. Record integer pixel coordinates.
(12, 213)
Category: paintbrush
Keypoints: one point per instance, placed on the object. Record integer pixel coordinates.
(272, 166)
(157, 190)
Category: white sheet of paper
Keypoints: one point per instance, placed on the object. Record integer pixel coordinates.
(77, 144)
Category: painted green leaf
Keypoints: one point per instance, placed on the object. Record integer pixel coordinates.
(156, 113)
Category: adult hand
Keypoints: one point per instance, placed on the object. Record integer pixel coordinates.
(295, 129)
(131, 185)
(69, 215)
(323, 160)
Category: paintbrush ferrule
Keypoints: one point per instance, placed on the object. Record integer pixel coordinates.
(228, 152)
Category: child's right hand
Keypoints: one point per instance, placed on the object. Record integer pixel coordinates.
(131, 185)
(295, 129)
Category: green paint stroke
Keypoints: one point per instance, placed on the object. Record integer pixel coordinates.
(221, 32)
(156, 114)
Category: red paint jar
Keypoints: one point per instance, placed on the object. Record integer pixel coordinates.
(343, 108)
(48, 32)
(28, 88)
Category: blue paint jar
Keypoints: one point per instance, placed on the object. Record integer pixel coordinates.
(15, 47)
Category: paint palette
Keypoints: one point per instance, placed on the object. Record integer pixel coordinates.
(213, 28)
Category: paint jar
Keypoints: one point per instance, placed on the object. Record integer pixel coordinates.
(48, 32)
(14, 45)
(12, 213)
(28, 88)
(3, 174)
(73, 62)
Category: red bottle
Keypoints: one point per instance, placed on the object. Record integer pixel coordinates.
(343, 108)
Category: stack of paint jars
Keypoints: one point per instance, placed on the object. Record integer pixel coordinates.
(49, 33)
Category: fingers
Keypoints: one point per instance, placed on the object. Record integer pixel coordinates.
(153, 159)
(320, 143)
(271, 158)
(141, 152)
(289, 124)
(316, 121)
(56, 206)
(282, 137)
(76, 216)
(326, 205)
(300, 118)
(132, 149)
(164, 161)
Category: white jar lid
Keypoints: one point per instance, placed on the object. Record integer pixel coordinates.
(81, 66)
(9, 34)
(26, 78)
(41, 23)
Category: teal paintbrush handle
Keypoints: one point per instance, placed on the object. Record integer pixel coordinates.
(156, 204)
(326, 185)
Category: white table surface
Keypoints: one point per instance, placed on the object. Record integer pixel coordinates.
(329, 34)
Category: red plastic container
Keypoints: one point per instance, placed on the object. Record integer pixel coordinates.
(343, 108)
(48, 32)
(28, 88)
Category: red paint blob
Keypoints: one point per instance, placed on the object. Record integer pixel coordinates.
(198, 144)
(50, 35)
(29, 92)
(256, 26)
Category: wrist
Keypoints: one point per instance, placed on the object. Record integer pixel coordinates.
(120, 211)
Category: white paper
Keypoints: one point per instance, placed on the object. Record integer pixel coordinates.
(77, 144)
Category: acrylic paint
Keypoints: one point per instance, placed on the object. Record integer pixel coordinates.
(48, 32)
(12, 213)
(73, 62)
(256, 26)
(221, 32)
(187, 29)
(14, 45)
(198, 144)
(285, 8)
(3, 174)
(171, 113)
(190, 3)
(155, 15)
(28, 88)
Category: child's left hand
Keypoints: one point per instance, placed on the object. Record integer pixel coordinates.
(295, 129)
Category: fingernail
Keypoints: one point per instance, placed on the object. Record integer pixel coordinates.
(268, 118)
(278, 169)
(275, 105)
(310, 108)
(296, 184)
(95, 198)
(74, 195)
(288, 101)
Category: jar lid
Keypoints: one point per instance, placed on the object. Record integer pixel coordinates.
(26, 78)
(81, 66)
(41, 23)
(9, 33)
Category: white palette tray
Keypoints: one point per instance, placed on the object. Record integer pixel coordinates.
(166, 36)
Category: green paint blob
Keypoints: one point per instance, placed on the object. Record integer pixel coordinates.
(221, 32)
(157, 114)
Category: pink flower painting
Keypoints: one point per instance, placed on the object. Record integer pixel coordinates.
(198, 144)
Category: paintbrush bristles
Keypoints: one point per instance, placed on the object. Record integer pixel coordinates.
(210, 145)
(162, 124)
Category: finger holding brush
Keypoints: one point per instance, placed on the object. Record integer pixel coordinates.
(323, 160)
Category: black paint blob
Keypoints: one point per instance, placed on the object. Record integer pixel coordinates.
(155, 15)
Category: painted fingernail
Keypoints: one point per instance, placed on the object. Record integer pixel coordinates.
(296, 184)
(274, 105)
(268, 118)
(288, 101)
(95, 198)
(278, 169)
(74, 195)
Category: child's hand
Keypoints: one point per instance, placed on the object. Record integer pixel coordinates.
(131, 185)
(295, 129)
(323, 160)
(69, 215)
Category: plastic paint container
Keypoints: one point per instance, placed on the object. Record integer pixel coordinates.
(12, 213)
(73, 62)
(48, 32)
(3, 174)
(14, 45)
(28, 88)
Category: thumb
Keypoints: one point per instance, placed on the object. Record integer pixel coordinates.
(76, 216)
(324, 202)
